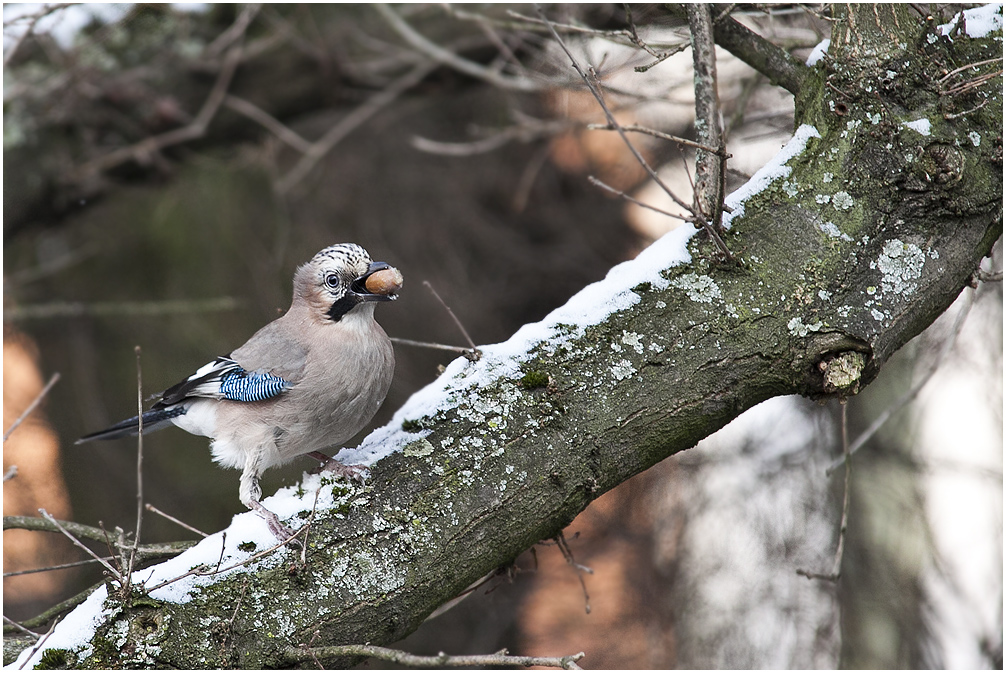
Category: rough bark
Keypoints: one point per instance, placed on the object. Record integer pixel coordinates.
(870, 237)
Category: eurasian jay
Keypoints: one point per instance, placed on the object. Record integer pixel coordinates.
(310, 379)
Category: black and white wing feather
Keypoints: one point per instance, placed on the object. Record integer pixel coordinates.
(222, 379)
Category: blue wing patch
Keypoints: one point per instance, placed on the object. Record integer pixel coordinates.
(225, 379)
(242, 386)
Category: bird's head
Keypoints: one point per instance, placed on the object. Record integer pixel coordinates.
(342, 277)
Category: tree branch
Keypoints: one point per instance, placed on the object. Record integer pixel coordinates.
(710, 167)
(304, 654)
(770, 60)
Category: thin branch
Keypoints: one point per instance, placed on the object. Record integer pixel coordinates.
(865, 436)
(27, 412)
(973, 83)
(39, 644)
(148, 147)
(10, 622)
(638, 41)
(44, 524)
(426, 344)
(35, 18)
(617, 36)
(151, 508)
(709, 172)
(350, 122)
(636, 128)
(139, 468)
(501, 658)
(80, 544)
(156, 550)
(449, 58)
(969, 65)
(128, 308)
(525, 130)
(610, 116)
(474, 350)
(617, 192)
(770, 60)
(203, 571)
(273, 125)
(61, 566)
(567, 553)
(236, 31)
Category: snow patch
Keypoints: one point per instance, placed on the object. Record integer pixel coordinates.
(978, 22)
(920, 126)
(776, 168)
(818, 52)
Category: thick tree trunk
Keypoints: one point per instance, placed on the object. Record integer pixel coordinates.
(849, 248)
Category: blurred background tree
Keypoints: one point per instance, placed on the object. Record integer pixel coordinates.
(169, 167)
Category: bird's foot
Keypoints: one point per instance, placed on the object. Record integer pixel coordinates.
(355, 473)
(276, 527)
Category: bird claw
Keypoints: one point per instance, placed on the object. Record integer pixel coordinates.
(276, 527)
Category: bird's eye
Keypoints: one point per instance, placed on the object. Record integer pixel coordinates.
(332, 280)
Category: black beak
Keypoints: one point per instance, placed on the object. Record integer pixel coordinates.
(359, 287)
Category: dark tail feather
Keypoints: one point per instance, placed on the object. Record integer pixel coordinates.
(155, 419)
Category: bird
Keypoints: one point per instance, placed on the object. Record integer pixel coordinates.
(309, 380)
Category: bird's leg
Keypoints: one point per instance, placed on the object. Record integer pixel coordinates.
(250, 493)
(351, 472)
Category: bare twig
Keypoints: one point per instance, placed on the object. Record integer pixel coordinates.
(27, 412)
(61, 566)
(139, 468)
(33, 20)
(203, 570)
(156, 550)
(350, 122)
(148, 147)
(636, 40)
(567, 553)
(948, 345)
(774, 62)
(709, 168)
(234, 615)
(426, 344)
(596, 92)
(617, 192)
(7, 620)
(525, 130)
(969, 65)
(130, 308)
(44, 524)
(80, 544)
(843, 526)
(973, 83)
(449, 58)
(474, 350)
(236, 31)
(39, 644)
(636, 128)
(151, 508)
(501, 658)
(276, 127)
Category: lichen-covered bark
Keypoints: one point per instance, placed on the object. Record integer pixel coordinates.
(871, 236)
